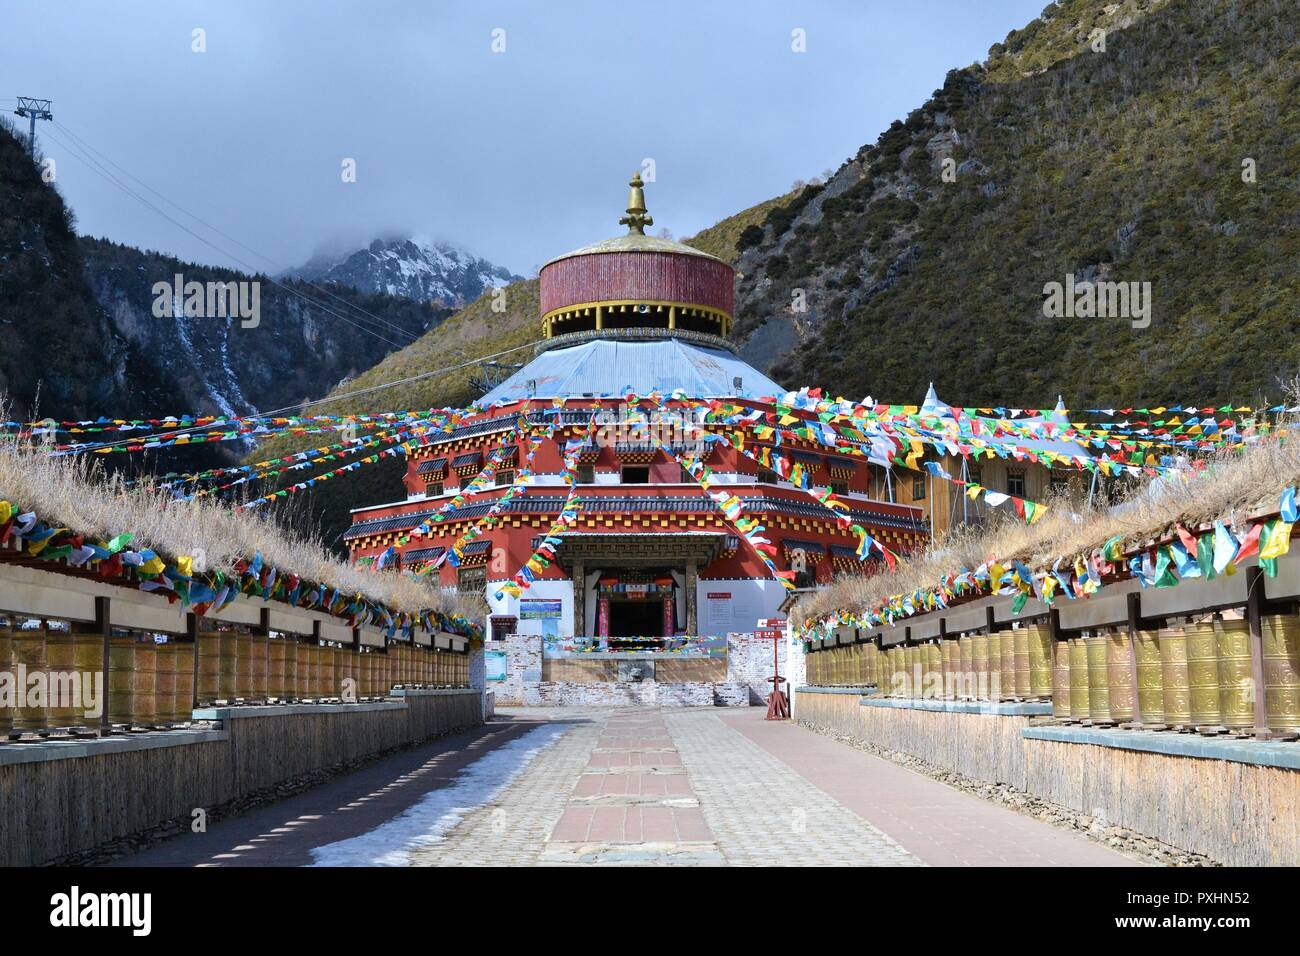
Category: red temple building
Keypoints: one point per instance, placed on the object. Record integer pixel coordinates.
(650, 554)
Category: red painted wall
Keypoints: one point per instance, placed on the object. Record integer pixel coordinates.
(656, 276)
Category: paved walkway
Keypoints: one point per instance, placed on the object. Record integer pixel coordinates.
(584, 786)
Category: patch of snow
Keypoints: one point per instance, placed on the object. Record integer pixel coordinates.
(427, 823)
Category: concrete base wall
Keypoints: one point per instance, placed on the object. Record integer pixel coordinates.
(983, 746)
(1237, 813)
(61, 799)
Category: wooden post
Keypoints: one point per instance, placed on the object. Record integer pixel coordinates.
(105, 626)
(192, 633)
(1254, 619)
(1135, 625)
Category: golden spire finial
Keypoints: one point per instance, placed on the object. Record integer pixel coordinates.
(636, 219)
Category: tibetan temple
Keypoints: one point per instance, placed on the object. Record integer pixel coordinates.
(650, 555)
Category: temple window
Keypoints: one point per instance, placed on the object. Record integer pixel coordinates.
(472, 580)
(918, 488)
(1016, 482)
(636, 474)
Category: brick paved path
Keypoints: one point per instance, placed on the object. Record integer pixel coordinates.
(583, 786)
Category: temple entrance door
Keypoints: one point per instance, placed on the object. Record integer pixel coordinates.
(643, 618)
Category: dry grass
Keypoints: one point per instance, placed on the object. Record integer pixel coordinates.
(77, 494)
(1233, 486)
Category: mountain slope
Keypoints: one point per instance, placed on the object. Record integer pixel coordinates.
(415, 268)
(295, 352)
(1122, 165)
(724, 239)
(59, 351)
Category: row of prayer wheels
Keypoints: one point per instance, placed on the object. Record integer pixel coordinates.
(242, 665)
(1014, 664)
(52, 673)
(56, 678)
(1195, 676)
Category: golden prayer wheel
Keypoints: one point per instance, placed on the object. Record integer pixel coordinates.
(1175, 689)
(61, 705)
(349, 682)
(1150, 689)
(1119, 673)
(1079, 691)
(981, 659)
(121, 678)
(898, 685)
(244, 643)
(165, 682)
(28, 651)
(1020, 653)
(931, 681)
(209, 651)
(1281, 672)
(1098, 678)
(950, 665)
(1004, 671)
(88, 662)
(322, 676)
(275, 653)
(332, 668)
(6, 667)
(227, 665)
(1203, 674)
(365, 670)
(1204, 688)
(1061, 679)
(144, 682)
(1040, 661)
(912, 668)
(258, 665)
(382, 683)
(290, 667)
(183, 701)
(311, 653)
(1236, 679)
(304, 681)
(965, 668)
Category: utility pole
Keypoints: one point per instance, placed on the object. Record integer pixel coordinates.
(33, 109)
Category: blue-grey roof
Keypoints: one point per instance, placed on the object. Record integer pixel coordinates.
(606, 367)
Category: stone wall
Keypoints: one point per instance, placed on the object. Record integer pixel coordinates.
(62, 799)
(1234, 802)
(748, 665)
(523, 667)
(648, 693)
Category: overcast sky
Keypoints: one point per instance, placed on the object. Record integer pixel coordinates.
(518, 155)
